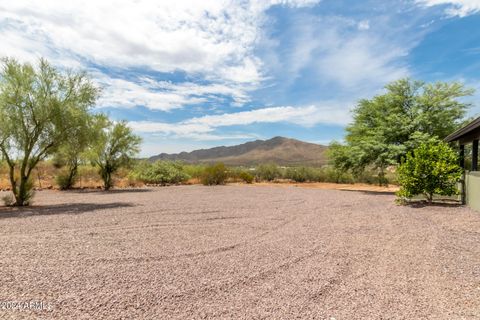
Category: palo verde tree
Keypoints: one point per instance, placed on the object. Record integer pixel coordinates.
(431, 168)
(73, 150)
(386, 127)
(115, 146)
(37, 105)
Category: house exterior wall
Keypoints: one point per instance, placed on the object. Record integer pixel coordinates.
(472, 187)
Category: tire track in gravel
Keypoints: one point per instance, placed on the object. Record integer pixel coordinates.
(248, 281)
(117, 227)
(190, 254)
(331, 284)
(396, 240)
(295, 203)
(348, 255)
(168, 258)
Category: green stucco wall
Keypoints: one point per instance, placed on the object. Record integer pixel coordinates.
(472, 187)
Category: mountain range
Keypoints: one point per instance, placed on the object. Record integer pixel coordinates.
(279, 150)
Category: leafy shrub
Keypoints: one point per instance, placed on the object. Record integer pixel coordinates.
(331, 174)
(215, 174)
(161, 172)
(431, 169)
(246, 177)
(371, 176)
(267, 172)
(194, 170)
(65, 181)
(240, 174)
(303, 174)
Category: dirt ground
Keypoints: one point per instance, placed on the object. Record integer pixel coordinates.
(332, 186)
(237, 252)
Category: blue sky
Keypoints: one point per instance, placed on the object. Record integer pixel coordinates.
(196, 74)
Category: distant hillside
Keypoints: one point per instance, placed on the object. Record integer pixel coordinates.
(280, 150)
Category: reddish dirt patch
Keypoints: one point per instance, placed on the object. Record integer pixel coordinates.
(239, 252)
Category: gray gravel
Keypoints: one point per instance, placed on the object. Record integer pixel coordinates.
(238, 252)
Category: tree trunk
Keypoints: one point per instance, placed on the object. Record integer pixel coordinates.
(107, 180)
(382, 181)
(72, 174)
(430, 198)
(23, 193)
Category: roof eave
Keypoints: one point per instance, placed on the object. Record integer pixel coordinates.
(458, 134)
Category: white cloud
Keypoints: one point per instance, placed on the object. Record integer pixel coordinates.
(123, 93)
(354, 58)
(459, 8)
(202, 127)
(364, 25)
(210, 40)
(209, 37)
(163, 95)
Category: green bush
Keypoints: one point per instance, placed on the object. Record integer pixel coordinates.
(240, 174)
(246, 177)
(267, 172)
(194, 170)
(371, 176)
(431, 169)
(160, 172)
(330, 174)
(304, 174)
(215, 174)
(65, 181)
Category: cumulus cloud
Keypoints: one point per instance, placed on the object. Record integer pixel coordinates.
(459, 8)
(209, 40)
(214, 38)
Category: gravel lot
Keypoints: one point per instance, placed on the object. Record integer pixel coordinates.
(238, 252)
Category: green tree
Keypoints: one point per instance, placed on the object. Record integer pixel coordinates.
(343, 157)
(432, 168)
(387, 127)
(72, 151)
(37, 105)
(115, 146)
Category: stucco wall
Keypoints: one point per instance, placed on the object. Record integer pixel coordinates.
(472, 183)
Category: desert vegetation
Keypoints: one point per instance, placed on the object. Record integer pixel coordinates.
(49, 174)
(114, 148)
(160, 172)
(48, 130)
(402, 128)
(430, 169)
(45, 113)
